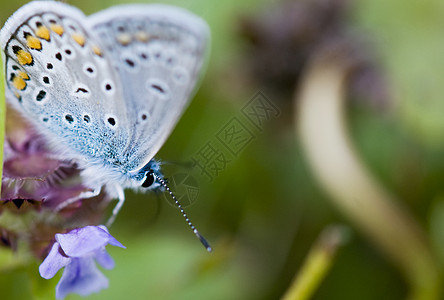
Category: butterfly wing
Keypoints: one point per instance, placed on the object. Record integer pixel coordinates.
(158, 52)
(60, 78)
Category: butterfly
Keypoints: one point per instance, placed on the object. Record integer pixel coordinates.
(105, 90)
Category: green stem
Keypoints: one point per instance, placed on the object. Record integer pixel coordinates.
(317, 264)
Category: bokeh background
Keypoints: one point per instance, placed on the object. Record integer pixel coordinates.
(265, 208)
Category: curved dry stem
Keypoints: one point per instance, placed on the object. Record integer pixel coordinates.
(337, 167)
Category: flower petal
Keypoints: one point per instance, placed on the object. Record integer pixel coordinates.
(104, 259)
(53, 262)
(112, 241)
(83, 241)
(82, 277)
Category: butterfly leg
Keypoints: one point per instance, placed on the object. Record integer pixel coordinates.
(121, 199)
(83, 195)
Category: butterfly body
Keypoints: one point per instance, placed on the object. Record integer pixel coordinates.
(104, 90)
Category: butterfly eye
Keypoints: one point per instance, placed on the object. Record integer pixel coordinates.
(149, 180)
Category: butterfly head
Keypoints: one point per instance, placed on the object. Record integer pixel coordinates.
(148, 177)
(151, 178)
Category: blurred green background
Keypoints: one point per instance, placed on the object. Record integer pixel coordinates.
(265, 210)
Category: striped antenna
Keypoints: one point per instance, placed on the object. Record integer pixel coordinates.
(184, 214)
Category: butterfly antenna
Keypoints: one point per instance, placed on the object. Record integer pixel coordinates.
(184, 214)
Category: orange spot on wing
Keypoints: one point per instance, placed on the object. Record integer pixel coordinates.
(33, 42)
(124, 39)
(18, 82)
(24, 58)
(142, 36)
(57, 29)
(43, 32)
(23, 75)
(79, 39)
(97, 50)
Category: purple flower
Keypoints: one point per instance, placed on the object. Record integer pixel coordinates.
(76, 251)
(32, 173)
(36, 181)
